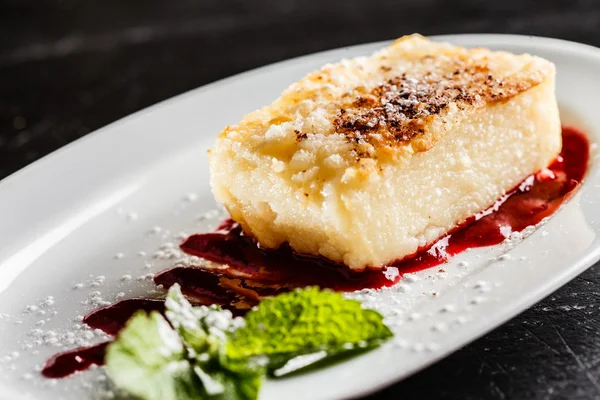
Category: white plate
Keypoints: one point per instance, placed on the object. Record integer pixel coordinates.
(64, 220)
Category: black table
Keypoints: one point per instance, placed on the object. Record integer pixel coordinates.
(68, 67)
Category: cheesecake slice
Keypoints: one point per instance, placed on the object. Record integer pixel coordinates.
(366, 160)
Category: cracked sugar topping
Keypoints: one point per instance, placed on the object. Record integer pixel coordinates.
(400, 108)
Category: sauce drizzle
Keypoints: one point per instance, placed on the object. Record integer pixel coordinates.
(64, 364)
(246, 273)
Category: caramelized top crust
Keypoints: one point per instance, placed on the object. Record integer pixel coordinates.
(399, 101)
(398, 110)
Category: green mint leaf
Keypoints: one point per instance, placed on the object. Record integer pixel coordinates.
(210, 355)
(226, 385)
(202, 329)
(299, 362)
(213, 385)
(147, 360)
(183, 317)
(204, 332)
(299, 323)
(247, 386)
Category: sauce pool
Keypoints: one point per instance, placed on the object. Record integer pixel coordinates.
(249, 273)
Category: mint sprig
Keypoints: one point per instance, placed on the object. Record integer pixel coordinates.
(204, 353)
(304, 322)
(152, 361)
(148, 361)
(204, 332)
(202, 329)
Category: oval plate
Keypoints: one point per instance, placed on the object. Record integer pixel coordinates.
(83, 225)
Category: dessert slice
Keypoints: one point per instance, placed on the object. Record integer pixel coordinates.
(367, 160)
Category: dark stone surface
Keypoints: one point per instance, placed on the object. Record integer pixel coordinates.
(68, 67)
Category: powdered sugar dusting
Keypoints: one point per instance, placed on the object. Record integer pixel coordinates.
(404, 305)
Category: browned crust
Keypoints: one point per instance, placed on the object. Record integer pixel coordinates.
(410, 95)
(400, 109)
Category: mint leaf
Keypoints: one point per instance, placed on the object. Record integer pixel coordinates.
(147, 360)
(213, 384)
(181, 315)
(204, 332)
(232, 386)
(210, 355)
(303, 322)
(248, 386)
(202, 328)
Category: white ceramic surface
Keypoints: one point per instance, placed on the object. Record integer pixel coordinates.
(89, 209)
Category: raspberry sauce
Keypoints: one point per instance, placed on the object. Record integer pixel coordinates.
(247, 273)
(69, 362)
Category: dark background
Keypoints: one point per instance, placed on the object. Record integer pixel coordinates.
(68, 67)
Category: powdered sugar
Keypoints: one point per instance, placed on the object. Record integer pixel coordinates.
(403, 305)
